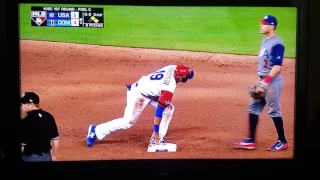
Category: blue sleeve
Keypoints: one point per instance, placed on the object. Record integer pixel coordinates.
(159, 111)
(277, 54)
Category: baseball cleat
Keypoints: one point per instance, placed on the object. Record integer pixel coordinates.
(91, 137)
(278, 146)
(245, 144)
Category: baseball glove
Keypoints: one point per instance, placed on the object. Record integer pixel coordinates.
(258, 91)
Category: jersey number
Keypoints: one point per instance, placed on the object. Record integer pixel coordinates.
(265, 63)
(157, 75)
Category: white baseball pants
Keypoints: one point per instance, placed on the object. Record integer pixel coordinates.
(135, 105)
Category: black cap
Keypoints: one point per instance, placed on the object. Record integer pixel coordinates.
(30, 97)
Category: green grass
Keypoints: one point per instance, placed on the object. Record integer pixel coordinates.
(211, 29)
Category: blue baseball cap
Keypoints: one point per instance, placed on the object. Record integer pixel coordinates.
(269, 20)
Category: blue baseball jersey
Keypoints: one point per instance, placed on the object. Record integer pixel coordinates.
(271, 53)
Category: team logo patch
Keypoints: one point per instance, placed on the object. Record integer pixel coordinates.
(262, 52)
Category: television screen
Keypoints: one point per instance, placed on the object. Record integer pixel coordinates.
(113, 77)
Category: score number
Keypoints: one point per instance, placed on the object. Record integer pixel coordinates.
(74, 14)
(75, 18)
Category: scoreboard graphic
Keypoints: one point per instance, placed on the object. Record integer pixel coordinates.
(67, 17)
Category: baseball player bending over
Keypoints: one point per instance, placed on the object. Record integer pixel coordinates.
(155, 89)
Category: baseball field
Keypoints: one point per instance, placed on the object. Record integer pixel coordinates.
(80, 75)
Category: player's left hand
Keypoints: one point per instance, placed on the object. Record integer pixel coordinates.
(155, 139)
(261, 87)
(259, 90)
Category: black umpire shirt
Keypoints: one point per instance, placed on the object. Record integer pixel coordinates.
(38, 129)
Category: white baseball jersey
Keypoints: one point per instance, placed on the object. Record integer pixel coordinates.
(154, 83)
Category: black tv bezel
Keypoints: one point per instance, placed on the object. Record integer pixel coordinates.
(163, 167)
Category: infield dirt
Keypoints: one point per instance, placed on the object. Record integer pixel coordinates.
(85, 84)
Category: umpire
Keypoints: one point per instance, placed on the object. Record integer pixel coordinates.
(39, 133)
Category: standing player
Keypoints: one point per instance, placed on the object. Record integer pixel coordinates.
(269, 68)
(155, 89)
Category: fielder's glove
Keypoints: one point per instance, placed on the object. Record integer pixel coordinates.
(258, 91)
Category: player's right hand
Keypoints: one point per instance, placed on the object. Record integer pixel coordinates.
(155, 139)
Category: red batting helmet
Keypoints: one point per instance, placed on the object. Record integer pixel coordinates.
(183, 72)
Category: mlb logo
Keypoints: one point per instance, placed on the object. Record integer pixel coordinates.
(38, 17)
